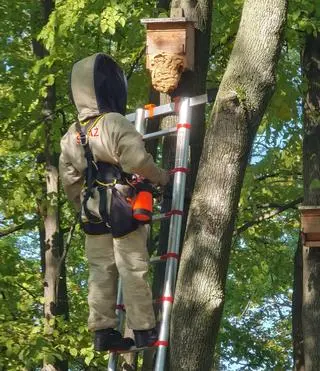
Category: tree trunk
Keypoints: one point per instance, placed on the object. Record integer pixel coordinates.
(192, 83)
(297, 334)
(52, 261)
(311, 172)
(242, 98)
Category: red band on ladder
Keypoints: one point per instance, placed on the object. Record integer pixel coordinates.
(161, 342)
(166, 298)
(120, 307)
(179, 169)
(174, 212)
(170, 255)
(186, 126)
(150, 109)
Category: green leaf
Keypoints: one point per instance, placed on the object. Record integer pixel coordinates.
(122, 21)
(296, 14)
(73, 352)
(50, 79)
(89, 358)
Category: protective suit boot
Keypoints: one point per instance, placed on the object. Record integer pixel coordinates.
(145, 338)
(110, 339)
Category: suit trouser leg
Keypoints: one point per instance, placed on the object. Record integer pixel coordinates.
(132, 261)
(102, 282)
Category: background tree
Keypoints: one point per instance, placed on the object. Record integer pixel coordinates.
(256, 331)
(51, 240)
(311, 174)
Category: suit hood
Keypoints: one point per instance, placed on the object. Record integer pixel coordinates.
(98, 85)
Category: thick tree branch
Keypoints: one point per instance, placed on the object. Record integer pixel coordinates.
(25, 289)
(67, 245)
(18, 227)
(276, 175)
(268, 215)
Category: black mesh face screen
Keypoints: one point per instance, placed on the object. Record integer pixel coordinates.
(110, 85)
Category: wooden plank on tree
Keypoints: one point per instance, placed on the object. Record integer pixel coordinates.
(164, 20)
(170, 35)
(310, 224)
(310, 220)
(312, 244)
(166, 40)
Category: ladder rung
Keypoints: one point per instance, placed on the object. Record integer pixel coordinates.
(166, 215)
(162, 216)
(199, 99)
(157, 259)
(157, 111)
(134, 350)
(160, 133)
(169, 108)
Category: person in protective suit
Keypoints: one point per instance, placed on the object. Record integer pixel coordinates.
(98, 155)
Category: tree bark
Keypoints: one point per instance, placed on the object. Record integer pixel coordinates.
(241, 101)
(297, 333)
(311, 173)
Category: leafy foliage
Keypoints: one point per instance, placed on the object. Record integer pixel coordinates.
(256, 329)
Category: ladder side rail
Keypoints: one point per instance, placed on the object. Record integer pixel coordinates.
(140, 121)
(119, 307)
(179, 184)
(112, 362)
(113, 356)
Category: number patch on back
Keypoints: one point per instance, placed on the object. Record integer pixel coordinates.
(94, 132)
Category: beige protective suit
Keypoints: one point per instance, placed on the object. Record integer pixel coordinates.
(112, 139)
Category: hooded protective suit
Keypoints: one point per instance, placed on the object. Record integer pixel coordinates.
(113, 139)
(99, 91)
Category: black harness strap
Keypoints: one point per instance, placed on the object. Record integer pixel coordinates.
(103, 177)
(91, 170)
(82, 130)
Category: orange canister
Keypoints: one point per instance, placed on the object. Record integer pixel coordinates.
(142, 205)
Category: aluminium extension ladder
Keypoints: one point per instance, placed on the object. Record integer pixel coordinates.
(183, 106)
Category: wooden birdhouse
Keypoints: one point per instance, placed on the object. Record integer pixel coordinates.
(310, 225)
(169, 51)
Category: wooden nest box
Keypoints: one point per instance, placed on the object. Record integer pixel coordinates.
(170, 50)
(310, 225)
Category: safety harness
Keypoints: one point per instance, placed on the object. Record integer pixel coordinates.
(104, 179)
